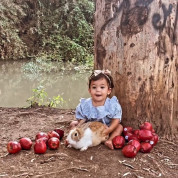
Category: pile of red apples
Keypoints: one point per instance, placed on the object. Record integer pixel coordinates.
(43, 141)
(133, 141)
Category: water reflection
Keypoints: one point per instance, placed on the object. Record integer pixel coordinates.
(16, 86)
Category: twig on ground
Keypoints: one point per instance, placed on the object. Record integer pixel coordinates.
(3, 175)
(127, 173)
(4, 155)
(77, 168)
(128, 165)
(122, 161)
(152, 172)
(170, 164)
(24, 112)
(57, 154)
(146, 169)
(24, 174)
(48, 160)
(32, 160)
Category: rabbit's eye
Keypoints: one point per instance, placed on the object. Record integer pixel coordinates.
(75, 134)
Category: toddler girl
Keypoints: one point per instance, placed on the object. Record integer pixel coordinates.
(100, 107)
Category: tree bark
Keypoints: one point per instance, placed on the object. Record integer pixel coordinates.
(137, 40)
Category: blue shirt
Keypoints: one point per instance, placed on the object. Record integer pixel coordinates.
(110, 110)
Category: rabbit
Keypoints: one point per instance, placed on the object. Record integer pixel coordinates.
(87, 135)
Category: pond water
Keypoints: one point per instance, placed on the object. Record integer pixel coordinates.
(16, 85)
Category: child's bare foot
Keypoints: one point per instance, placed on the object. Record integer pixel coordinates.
(109, 144)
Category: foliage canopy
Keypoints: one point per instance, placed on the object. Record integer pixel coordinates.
(60, 30)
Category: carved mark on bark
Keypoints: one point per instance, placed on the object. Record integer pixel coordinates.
(100, 50)
(156, 20)
(144, 3)
(132, 20)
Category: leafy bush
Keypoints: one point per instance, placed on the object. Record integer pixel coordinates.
(40, 98)
(11, 45)
(73, 38)
(60, 30)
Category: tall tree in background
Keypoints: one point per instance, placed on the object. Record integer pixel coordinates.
(138, 41)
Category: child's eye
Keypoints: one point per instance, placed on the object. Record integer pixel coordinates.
(93, 87)
(102, 87)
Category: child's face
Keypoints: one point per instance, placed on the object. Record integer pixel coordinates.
(99, 90)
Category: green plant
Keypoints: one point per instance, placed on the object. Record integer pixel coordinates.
(40, 98)
(55, 101)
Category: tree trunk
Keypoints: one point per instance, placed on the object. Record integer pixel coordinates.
(137, 40)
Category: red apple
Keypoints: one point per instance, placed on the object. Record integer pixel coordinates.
(145, 135)
(118, 141)
(156, 138)
(127, 129)
(26, 143)
(153, 141)
(153, 131)
(60, 132)
(135, 143)
(133, 137)
(146, 126)
(42, 135)
(129, 151)
(53, 143)
(53, 134)
(128, 135)
(13, 147)
(45, 139)
(135, 132)
(40, 146)
(146, 147)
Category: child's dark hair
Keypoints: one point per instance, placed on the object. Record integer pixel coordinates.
(108, 78)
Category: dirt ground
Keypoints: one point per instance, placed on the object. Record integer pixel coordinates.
(99, 161)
